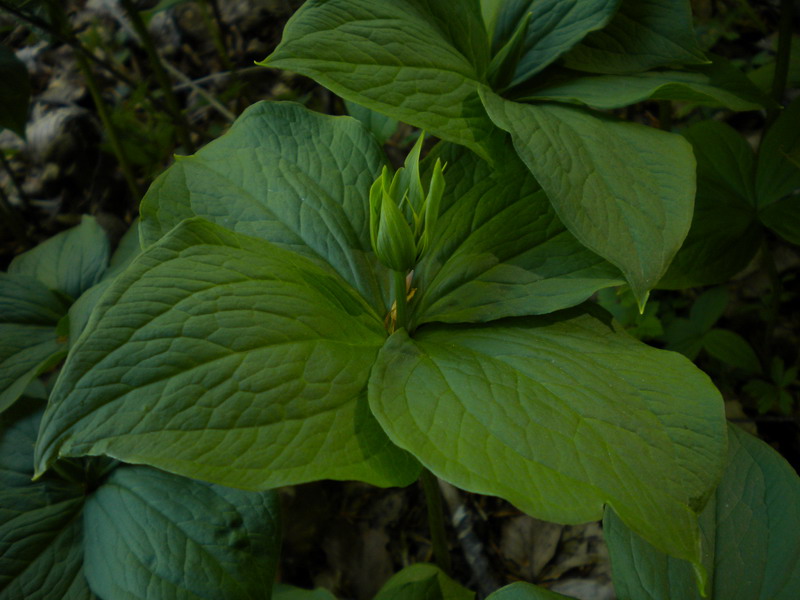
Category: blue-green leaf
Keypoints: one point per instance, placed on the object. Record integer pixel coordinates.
(623, 190)
(70, 262)
(725, 234)
(418, 61)
(41, 553)
(560, 415)
(556, 26)
(285, 174)
(716, 85)
(643, 35)
(282, 591)
(255, 358)
(749, 530)
(152, 536)
(500, 249)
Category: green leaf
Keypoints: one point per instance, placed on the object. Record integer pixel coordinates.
(643, 35)
(732, 349)
(281, 591)
(749, 529)
(560, 415)
(70, 262)
(778, 176)
(623, 190)
(29, 343)
(525, 591)
(703, 85)
(255, 357)
(494, 252)
(41, 550)
(26, 351)
(285, 174)
(15, 93)
(422, 581)
(25, 300)
(418, 61)
(725, 234)
(152, 535)
(127, 249)
(555, 27)
(381, 126)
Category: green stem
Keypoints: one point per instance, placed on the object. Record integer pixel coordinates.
(784, 49)
(58, 16)
(213, 22)
(182, 125)
(433, 499)
(401, 301)
(773, 305)
(108, 125)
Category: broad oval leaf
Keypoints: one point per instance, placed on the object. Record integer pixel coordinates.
(155, 536)
(225, 358)
(419, 61)
(749, 527)
(41, 550)
(725, 233)
(623, 190)
(701, 86)
(643, 35)
(285, 174)
(282, 591)
(423, 581)
(500, 249)
(70, 262)
(556, 26)
(560, 415)
(26, 300)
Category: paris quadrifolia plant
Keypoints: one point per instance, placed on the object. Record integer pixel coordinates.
(290, 308)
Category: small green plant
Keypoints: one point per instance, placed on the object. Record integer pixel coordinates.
(301, 311)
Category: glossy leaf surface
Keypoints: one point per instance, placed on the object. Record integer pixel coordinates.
(287, 175)
(153, 535)
(623, 190)
(419, 61)
(500, 249)
(254, 357)
(559, 415)
(749, 529)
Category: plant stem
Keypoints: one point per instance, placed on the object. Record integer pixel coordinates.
(784, 49)
(182, 125)
(401, 301)
(108, 125)
(433, 499)
(773, 306)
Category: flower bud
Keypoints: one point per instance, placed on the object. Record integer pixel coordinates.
(391, 236)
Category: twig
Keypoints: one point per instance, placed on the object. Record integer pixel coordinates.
(433, 498)
(187, 82)
(464, 524)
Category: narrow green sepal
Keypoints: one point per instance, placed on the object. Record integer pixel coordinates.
(432, 203)
(391, 236)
